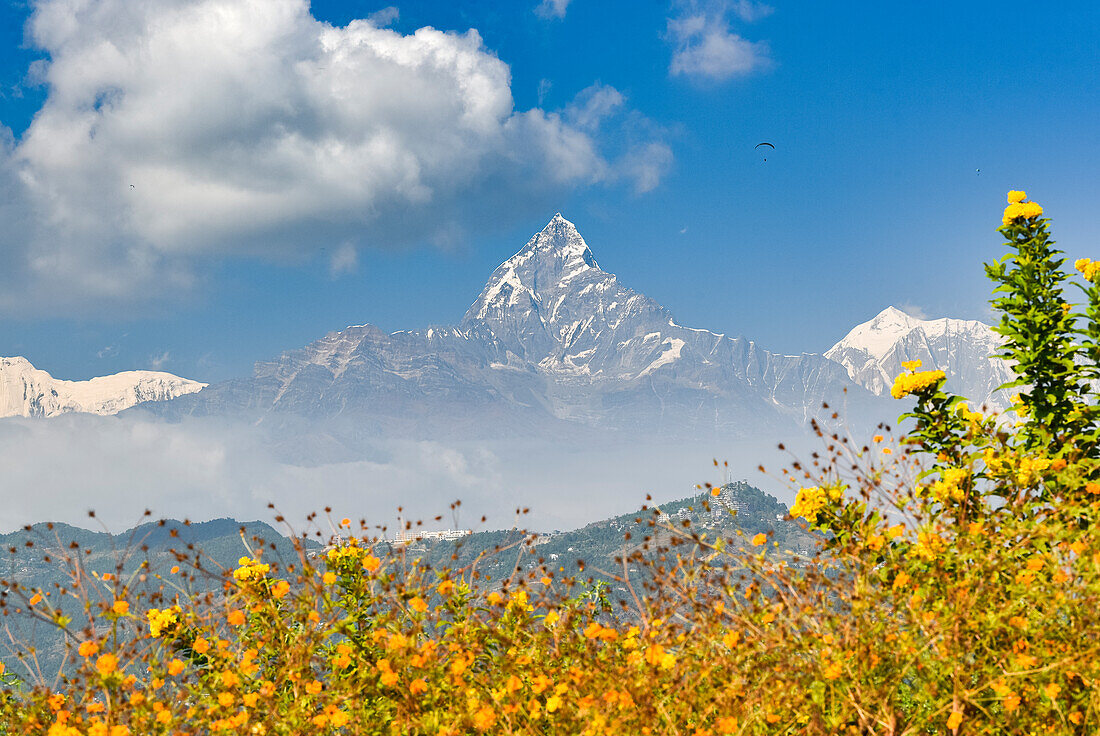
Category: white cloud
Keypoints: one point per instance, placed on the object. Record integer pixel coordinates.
(705, 45)
(552, 8)
(544, 89)
(646, 165)
(750, 12)
(913, 310)
(593, 105)
(344, 260)
(384, 17)
(204, 468)
(177, 133)
(156, 362)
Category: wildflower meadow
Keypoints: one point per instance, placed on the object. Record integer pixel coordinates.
(955, 590)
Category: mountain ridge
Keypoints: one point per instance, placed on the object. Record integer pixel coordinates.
(26, 391)
(552, 339)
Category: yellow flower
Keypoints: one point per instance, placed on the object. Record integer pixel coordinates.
(553, 703)
(313, 688)
(445, 588)
(952, 485)
(1021, 209)
(810, 502)
(1016, 196)
(1088, 268)
(495, 598)
(954, 720)
(417, 604)
(833, 670)
(911, 365)
(1052, 689)
(328, 578)
(911, 383)
(161, 620)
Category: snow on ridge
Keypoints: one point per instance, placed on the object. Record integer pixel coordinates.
(878, 336)
(668, 356)
(26, 391)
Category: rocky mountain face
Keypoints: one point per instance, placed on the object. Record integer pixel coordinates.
(553, 341)
(26, 391)
(873, 352)
(555, 344)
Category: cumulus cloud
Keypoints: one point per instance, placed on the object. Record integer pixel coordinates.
(552, 8)
(176, 133)
(705, 45)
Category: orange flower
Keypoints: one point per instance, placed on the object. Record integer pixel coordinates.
(235, 618)
(36, 599)
(954, 720)
(88, 648)
(280, 589)
(313, 687)
(121, 608)
(759, 539)
(418, 686)
(175, 667)
(345, 522)
(106, 664)
(418, 605)
(202, 646)
(371, 563)
(445, 588)
(486, 717)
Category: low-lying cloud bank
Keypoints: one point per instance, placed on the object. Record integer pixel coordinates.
(58, 469)
(175, 134)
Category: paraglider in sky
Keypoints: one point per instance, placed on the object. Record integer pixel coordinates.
(979, 171)
(769, 145)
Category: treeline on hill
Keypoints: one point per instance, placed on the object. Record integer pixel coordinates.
(954, 589)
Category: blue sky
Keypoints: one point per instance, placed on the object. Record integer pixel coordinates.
(622, 118)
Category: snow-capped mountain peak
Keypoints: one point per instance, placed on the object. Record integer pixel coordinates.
(548, 262)
(873, 353)
(26, 391)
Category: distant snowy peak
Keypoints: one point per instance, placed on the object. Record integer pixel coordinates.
(550, 261)
(873, 353)
(26, 391)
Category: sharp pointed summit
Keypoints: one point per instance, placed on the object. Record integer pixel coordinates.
(553, 342)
